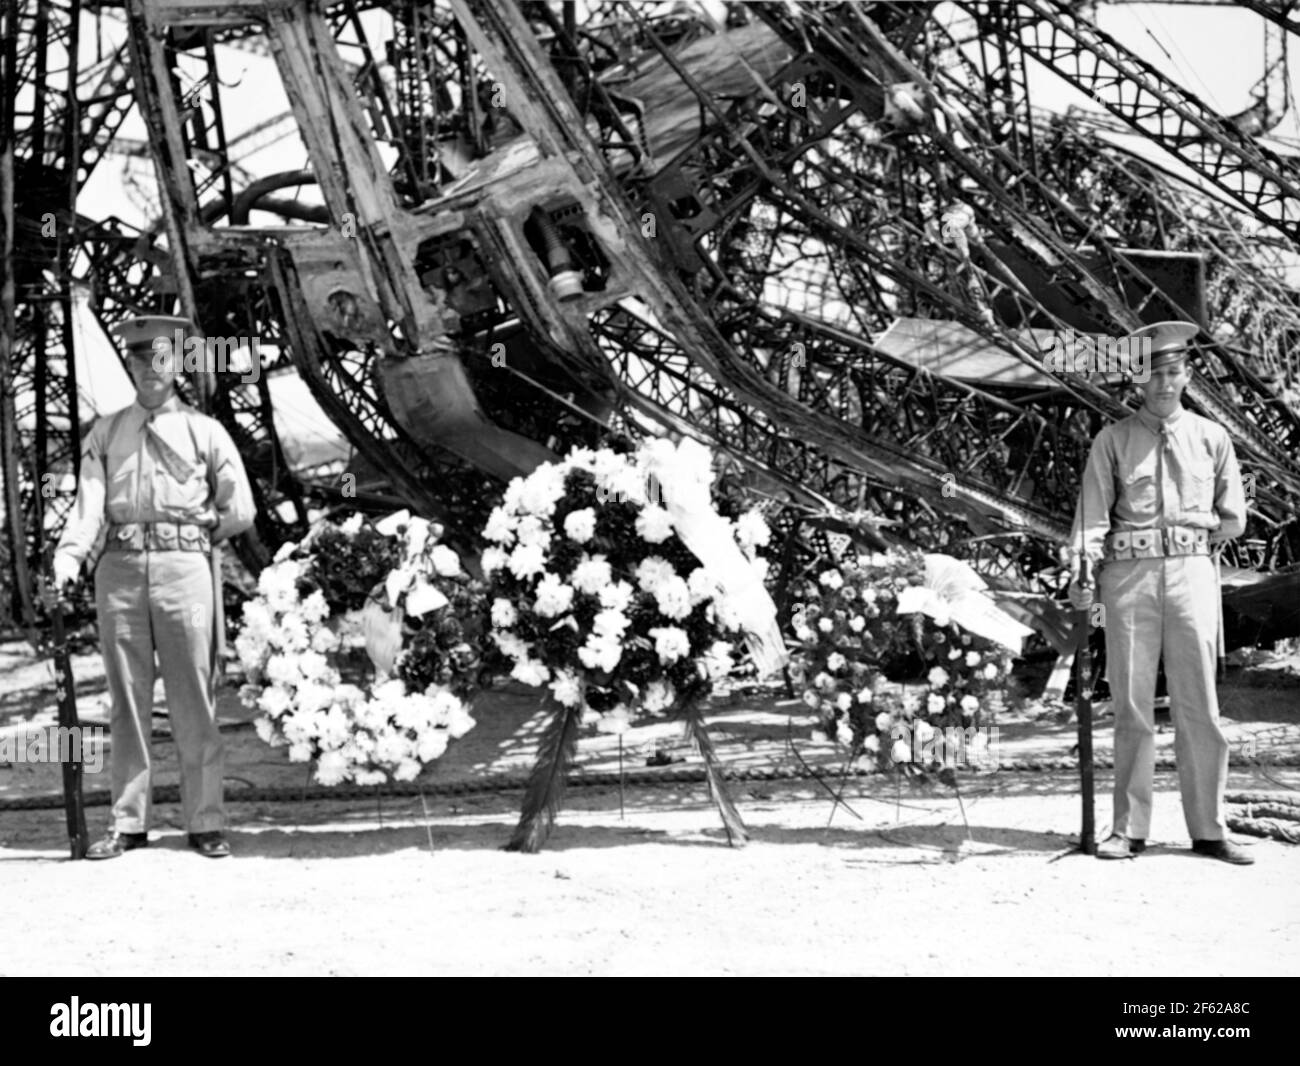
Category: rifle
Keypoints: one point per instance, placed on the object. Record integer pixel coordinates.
(1083, 701)
(73, 804)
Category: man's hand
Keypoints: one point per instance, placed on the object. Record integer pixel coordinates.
(65, 571)
(1081, 595)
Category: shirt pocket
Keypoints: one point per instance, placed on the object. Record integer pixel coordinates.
(181, 497)
(1138, 485)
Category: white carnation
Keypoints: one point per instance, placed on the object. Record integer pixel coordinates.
(653, 572)
(431, 745)
(314, 608)
(504, 614)
(609, 625)
(654, 524)
(831, 579)
(511, 645)
(526, 560)
(292, 633)
(531, 530)
(566, 688)
(600, 653)
(407, 770)
(591, 575)
(674, 598)
(728, 612)
(531, 672)
(324, 641)
(659, 696)
(543, 489)
(554, 597)
(282, 670)
(580, 525)
(671, 643)
(500, 527)
(332, 768)
(716, 662)
(313, 665)
(701, 585)
(616, 596)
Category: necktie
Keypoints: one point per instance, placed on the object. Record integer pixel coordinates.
(176, 464)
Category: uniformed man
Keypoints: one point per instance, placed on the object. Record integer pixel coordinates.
(1161, 492)
(159, 484)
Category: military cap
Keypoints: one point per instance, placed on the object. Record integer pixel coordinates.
(140, 332)
(1169, 340)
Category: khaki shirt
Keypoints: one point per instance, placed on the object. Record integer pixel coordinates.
(171, 464)
(1149, 473)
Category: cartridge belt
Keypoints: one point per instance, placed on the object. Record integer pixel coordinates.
(1157, 543)
(158, 537)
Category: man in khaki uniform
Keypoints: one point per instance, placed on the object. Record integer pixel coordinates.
(1161, 490)
(159, 484)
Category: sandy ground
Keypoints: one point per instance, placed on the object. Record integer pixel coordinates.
(911, 881)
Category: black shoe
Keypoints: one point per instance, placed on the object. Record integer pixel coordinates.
(1118, 846)
(114, 843)
(212, 845)
(1224, 850)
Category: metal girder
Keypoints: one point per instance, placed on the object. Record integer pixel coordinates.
(1057, 35)
(41, 435)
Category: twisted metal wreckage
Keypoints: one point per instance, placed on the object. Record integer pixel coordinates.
(831, 240)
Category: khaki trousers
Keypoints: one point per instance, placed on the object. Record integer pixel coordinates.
(160, 603)
(1165, 607)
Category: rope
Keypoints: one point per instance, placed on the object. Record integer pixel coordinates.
(517, 782)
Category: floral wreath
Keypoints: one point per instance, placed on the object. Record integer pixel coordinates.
(596, 594)
(858, 624)
(392, 588)
(615, 582)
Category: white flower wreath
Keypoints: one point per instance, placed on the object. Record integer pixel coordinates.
(286, 645)
(614, 577)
